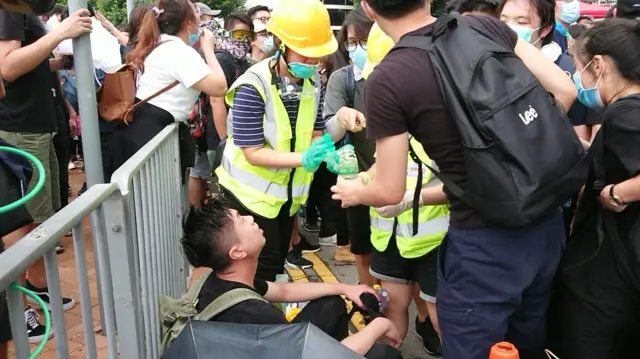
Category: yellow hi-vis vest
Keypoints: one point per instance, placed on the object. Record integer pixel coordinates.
(263, 190)
(433, 221)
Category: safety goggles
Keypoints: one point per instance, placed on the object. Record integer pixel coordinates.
(240, 35)
(352, 44)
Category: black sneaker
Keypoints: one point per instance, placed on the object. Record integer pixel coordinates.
(310, 227)
(296, 260)
(307, 247)
(60, 247)
(83, 189)
(429, 336)
(35, 330)
(43, 293)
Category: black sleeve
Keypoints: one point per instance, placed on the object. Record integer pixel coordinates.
(11, 26)
(622, 136)
(227, 67)
(261, 286)
(494, 29)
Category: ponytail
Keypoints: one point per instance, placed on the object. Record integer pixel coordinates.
(166, 17)
(146, 40)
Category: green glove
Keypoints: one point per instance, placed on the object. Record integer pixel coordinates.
(333, 162)
(317, 151)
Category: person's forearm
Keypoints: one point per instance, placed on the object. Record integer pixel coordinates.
(23, 60)
(303, 292)
(629, 190)
(216, 70)
(376, 194)
(551, 77)
(267, 157)
(335, 129)
(432, 196)
(366, 338)
(219, 112)
(70, 109)
(122, 38)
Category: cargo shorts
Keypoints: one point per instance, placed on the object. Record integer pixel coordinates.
(40, 145)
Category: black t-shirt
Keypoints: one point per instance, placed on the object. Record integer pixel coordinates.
(248, 312)
(402, 94)
(231, 67)
(29, 103)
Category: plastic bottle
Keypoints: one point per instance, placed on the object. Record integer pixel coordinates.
(348, 162)
(504, 350)
(382, 294)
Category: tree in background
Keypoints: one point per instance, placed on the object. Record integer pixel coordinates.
(437, 6)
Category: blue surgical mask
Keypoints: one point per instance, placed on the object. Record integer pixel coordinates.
(358, 56)
(524, 32)
(193, 38)
(559, 28)
(303, 71)
(268, 45)
(570, 11)
(589, 97)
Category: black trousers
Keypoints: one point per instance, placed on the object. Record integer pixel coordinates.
(321, 204)
(329, 314)
(62, 145)
(277, 233)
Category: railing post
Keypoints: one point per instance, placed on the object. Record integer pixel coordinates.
(88, 111)
(126, 286)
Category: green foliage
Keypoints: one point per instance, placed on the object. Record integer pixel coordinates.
(227, 6)
(438, 7)
(115, 10)
(356, 3)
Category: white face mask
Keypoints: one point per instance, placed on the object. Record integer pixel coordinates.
(268, 45)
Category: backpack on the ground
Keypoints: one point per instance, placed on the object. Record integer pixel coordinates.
(522, 155)
(176, 313)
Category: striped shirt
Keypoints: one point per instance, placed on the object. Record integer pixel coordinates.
(248, 113)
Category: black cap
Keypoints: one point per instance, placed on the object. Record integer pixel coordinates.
(629, 9)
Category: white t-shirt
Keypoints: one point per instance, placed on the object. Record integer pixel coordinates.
(171, 61)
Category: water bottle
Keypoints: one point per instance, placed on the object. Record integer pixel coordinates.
(504, 350)
(348, 162)
(382, 294)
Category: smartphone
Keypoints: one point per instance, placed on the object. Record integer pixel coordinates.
(92, 12)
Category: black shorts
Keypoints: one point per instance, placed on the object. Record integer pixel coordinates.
(391, 266)
(9, 193)
(359, 230)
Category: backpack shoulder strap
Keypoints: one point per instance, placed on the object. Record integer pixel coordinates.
(351, 86)
(226, 301)
(194, 291)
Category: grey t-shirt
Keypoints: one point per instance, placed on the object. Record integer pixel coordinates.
(336, 98)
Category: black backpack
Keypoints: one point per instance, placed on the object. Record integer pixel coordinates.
(522, 155)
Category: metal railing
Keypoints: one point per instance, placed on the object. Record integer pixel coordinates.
(138, 222)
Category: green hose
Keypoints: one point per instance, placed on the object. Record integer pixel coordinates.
(36, 189)
(47, 318)
(9, 207)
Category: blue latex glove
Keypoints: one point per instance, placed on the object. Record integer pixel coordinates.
(317, 151)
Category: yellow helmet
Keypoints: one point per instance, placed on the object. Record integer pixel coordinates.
(304, 27)
(378, 45)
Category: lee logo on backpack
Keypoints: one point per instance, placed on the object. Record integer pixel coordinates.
(522, 155)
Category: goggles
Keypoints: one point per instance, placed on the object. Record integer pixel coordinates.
(240, 35)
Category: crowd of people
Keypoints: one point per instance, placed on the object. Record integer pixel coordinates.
(264, 98)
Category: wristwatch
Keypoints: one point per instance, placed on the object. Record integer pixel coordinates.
(615, 200)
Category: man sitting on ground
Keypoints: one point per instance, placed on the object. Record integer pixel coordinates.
(217, 237)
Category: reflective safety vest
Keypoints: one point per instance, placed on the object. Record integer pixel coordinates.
(433, 221)
(263, 190)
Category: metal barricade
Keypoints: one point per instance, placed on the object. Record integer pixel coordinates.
(151, 186)
(41, 242)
